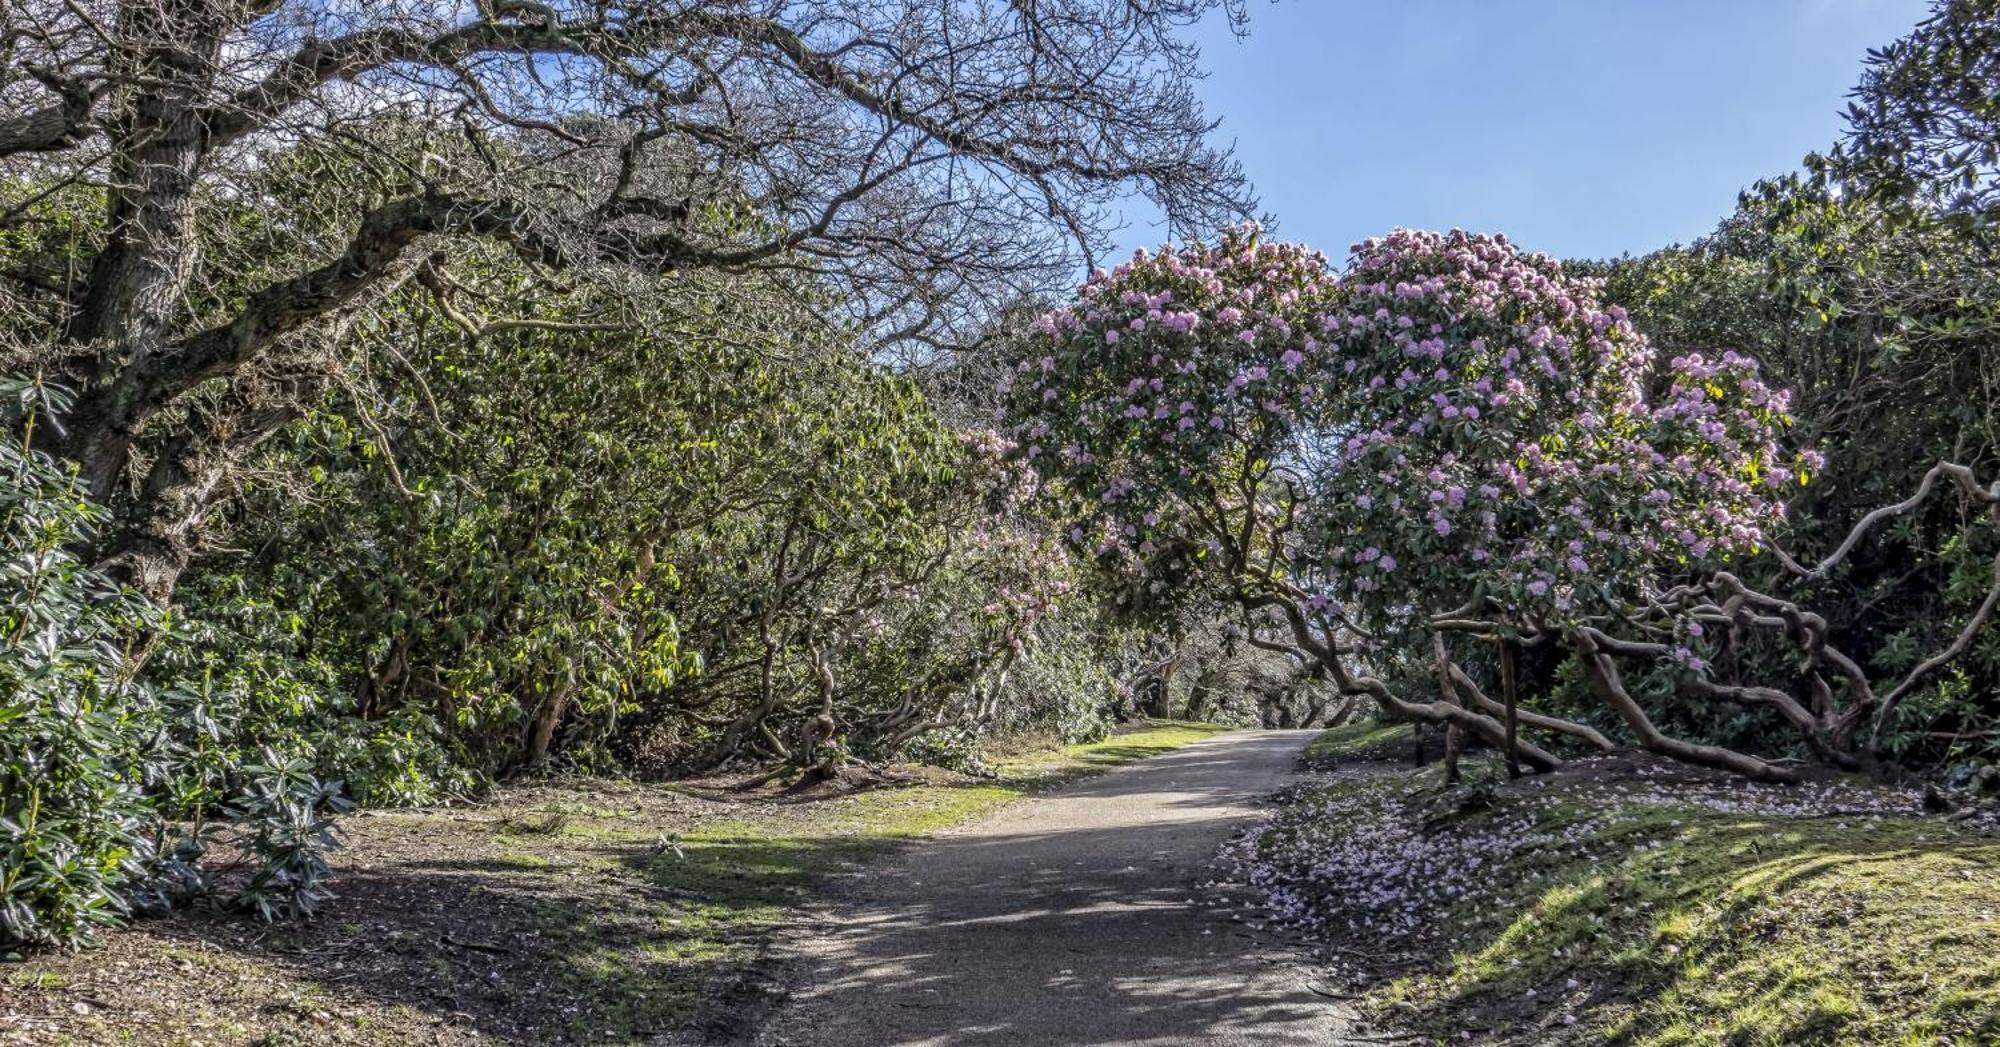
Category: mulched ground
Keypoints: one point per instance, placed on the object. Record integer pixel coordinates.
(501, 922)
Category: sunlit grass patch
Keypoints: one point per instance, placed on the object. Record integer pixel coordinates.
(1777, 919)
(1360, 739)
(1049, 767)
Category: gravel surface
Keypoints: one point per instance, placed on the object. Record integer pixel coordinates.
(1073, 918)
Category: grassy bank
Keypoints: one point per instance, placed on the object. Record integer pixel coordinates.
(1627, 901)
(591, 912)
(1360, 740)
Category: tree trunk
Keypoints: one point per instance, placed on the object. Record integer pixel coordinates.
(373, 703)
(1489, 730)
(1154, 694)
(134, 291)
(821, 760)
(542, 730)
(1509, 696)
(191, 475)
(1454, 735)
(1610, 686)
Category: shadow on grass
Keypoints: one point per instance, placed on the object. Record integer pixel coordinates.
(1365, 739)
(600, 930)
(1696, 927)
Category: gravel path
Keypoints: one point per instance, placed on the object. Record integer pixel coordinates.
(1067, 919)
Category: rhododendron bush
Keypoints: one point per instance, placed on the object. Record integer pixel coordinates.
(1162, 373)
(1490, 440)
(1452, 421)
(1451, 438)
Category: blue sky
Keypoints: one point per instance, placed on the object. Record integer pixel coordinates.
(1579, 128)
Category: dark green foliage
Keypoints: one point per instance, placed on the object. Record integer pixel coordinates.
(596, 546)
(1924, 127)
(1066, 690)
(75, 827)
(118, 772)
(1883, 333)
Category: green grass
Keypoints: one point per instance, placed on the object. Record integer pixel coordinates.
(36, 980)
(1052, 767)
(1802, 930)
(1754, 930)
(1685, 926)
(1357, 740)
(720, 887)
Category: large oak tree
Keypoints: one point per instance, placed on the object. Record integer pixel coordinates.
(925, 159)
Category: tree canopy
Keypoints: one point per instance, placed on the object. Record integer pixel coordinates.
(926, 162)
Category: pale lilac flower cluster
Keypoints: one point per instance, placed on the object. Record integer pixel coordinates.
(1452, 416)
(1497, 434)
(1162, 366)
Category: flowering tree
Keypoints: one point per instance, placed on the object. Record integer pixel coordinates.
(1453, 439)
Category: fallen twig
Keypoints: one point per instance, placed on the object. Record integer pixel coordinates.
(475, 946)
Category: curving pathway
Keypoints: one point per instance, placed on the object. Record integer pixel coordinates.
(1066, 919)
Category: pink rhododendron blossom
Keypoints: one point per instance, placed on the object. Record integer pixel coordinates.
(1477, 423)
